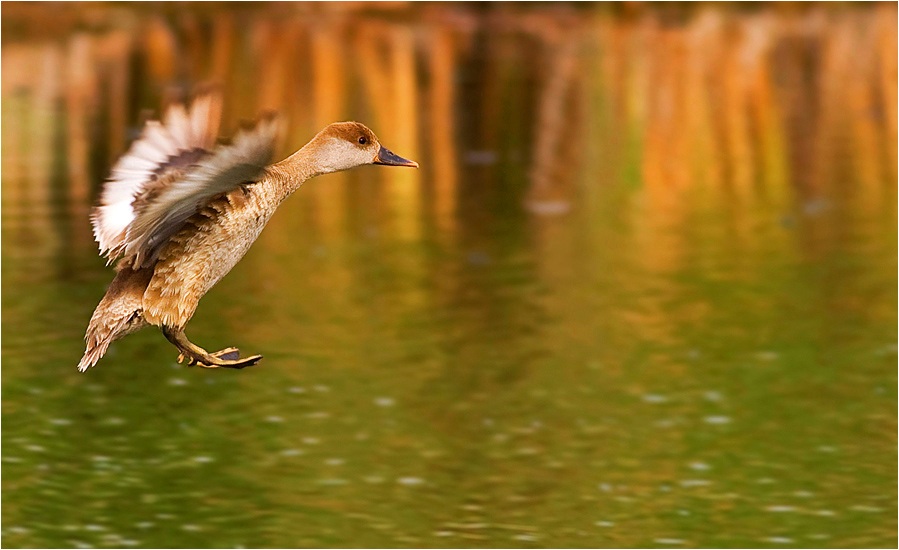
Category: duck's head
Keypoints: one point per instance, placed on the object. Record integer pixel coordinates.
(345, 145)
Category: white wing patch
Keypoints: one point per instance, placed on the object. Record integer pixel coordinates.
(175, 168)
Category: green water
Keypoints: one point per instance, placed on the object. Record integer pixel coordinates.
(713, 371)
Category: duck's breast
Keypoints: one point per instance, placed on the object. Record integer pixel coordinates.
(204, 251)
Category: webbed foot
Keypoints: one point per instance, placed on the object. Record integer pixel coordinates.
(228, 358)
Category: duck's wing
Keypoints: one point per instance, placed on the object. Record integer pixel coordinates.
(161, 212)
(170, 172)
(162, 151)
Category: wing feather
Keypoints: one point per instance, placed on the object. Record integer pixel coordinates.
(224, 169)
(148, 158)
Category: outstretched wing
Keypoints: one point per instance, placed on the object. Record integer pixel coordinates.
(170, 172)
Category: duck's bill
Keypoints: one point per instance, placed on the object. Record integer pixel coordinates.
(388, 158)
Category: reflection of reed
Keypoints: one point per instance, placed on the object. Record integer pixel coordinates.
(554, 147)
(441, 107)
(387, 62)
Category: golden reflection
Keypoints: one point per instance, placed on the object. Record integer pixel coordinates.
(769, 107)
(441, 58)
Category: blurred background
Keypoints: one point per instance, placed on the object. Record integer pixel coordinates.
(642, 291)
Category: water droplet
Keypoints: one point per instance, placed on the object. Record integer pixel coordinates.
(385, 401)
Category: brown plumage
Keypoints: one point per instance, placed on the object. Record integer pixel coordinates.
(179, 211)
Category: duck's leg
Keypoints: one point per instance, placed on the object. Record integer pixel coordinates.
(226, 358)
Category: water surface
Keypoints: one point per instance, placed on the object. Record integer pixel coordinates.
(675, 328)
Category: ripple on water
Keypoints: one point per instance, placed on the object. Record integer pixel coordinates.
(654, 398)
(866, 508)
(410, 481)
(687, 483)
(717, 419)
(712, 395)
(780, 508)
(333, 481)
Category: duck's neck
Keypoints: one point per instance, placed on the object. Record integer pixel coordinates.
(290, 173)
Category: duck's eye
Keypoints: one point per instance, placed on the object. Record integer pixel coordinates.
(362, 140)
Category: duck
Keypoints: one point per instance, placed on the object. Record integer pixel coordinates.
(181, 208)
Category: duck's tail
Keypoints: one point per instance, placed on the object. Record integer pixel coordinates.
(120, 312)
